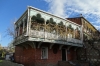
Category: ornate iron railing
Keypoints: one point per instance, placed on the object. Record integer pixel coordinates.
(52, 32)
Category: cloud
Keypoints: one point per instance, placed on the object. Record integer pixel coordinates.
(57, 7)
(71, 8)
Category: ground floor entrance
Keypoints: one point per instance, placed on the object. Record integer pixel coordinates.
(64, 55)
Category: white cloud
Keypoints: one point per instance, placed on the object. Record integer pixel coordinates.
(90, 9)
(57, 7)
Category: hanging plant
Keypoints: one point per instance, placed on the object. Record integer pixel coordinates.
(61, 24)
(70, 27)
(47, 22)
(37, 19)
(38, 15)
(52, 21)
(33, 19)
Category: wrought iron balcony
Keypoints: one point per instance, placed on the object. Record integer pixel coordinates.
(54, 34)
(52, 29)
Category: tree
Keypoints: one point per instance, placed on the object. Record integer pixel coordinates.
(10, 31)
(11, 47)
(0, 47)
(91, 50)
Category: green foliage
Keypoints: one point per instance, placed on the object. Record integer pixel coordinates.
(11, 47)
(38, 15)
(33, 18)
(50, 21)
(37, 19)
(47, 21)
(1, 61)
(70, 27)
(77, 28)
(61, 24)
(0, 47)
(3, 52)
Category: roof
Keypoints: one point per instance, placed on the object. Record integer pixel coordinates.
(86, 20)
(30, 7)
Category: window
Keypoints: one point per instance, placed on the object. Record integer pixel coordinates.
(44, 53)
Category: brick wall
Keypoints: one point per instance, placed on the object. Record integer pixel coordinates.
(32, 57)
(71, 54)
(52, 58)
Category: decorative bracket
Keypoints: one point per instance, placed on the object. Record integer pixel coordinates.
(60, 47)
(51, 45)
(75, 48)
(33, 45)
(69, 47)
(39, 44)
(25, 46)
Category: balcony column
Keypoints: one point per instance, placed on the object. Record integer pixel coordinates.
(66, 33)
(81, 33)
(29, 25)
(23, 25)
(44, 29)
(57, 30)
(18, 30)
(28, 20)
(74, 33)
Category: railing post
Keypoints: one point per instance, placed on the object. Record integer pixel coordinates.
(23, 25)
(44, 29)
(18, 30)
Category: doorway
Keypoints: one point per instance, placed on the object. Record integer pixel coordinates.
(63, 54)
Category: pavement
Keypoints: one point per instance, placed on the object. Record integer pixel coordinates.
(9, 63)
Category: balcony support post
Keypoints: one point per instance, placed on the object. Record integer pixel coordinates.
(18, 30)
(44, 29)
(23, 25)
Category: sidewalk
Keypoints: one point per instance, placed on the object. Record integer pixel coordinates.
(9, 63)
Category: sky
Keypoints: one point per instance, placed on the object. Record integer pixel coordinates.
(11, 10)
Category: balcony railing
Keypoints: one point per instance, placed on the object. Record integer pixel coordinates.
(52, 32)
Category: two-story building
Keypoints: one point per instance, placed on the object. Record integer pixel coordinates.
(90, 52)
(43, 39)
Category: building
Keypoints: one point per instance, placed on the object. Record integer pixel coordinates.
(90, 52)
(88, 29)
(43, 39)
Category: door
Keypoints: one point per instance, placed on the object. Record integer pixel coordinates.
(63, 54)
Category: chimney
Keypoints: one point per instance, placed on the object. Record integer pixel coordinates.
(81, 15)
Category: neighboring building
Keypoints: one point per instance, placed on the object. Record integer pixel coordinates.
(88, 29)
(43, 39)
(90, 52)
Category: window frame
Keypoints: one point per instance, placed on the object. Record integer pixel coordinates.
(44, 55)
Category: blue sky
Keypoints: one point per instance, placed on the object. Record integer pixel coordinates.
(11, 10)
